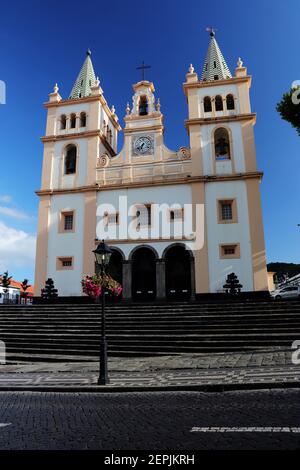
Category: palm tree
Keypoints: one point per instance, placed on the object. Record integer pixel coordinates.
(25, 285)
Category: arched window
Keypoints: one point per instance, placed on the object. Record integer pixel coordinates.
(82, 119)
(63, 122)
(143, 106)
(222, 144)
(219, 103)
(70, 160)
(73, 121)
(230, 102)
(207, 104)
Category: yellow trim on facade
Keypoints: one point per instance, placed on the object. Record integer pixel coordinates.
(187, 180)
(213, 83)
(220, 119)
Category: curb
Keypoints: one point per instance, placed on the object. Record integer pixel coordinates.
(209, 388)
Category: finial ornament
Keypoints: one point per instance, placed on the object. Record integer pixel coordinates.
(89, 52)
(97, 81)
(127, 109)
(158, 105)
(191, 69)
(239, 63)
(55, 88)
(113, 110)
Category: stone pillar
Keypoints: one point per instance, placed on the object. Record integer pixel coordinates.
(160, 279)
(193, 279)
(127, 279)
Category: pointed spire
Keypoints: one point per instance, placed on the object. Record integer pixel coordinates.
(215, 64)
(85, 80)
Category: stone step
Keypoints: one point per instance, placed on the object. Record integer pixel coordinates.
(154, 342)
(55, 332)
(82, 332)
(208, 346)
(145, 318)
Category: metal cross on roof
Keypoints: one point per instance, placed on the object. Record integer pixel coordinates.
(142, 68)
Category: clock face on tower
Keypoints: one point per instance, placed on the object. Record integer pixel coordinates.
(143, 145)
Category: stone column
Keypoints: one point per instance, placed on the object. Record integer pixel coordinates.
(127, 279)
(160, 279)
(193, 283)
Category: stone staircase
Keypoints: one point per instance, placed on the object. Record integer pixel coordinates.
(72, 332)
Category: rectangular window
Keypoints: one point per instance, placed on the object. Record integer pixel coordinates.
(143, 214)
(176, 214)
(227, 211)
(67, 221)
(113, 218)
(64, 263)
(229, 251)
(68, 225)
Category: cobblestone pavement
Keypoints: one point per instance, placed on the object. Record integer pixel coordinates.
(266, 366)
(149, 421)
(270, 365)
(275, 356)
(163, 378)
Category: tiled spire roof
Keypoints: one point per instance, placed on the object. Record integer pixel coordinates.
(215, 67)
(85, 80)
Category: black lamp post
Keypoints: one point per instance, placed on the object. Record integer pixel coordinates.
(102, 255)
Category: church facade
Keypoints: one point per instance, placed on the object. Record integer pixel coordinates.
(90, 192)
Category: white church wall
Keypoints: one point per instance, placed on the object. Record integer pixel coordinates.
(68, 282)
(228, 233)
(127, 248)
(171, 194)
(237, 150)
(59, 180)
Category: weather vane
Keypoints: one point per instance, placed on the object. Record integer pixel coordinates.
(211, 30)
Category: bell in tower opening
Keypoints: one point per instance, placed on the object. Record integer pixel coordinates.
(143, 106)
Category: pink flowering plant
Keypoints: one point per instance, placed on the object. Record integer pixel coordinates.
(93, 285)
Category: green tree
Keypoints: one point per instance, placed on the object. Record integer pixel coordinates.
(232, 286)
(5, 281)
(289, 108)
(25, 285)
(49, 292)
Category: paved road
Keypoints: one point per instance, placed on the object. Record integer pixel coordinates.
(148, 421)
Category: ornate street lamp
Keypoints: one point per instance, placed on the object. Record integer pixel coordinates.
(102, 255)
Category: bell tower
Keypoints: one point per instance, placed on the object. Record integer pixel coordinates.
(80, 130)
(143, 132)
(220, 127)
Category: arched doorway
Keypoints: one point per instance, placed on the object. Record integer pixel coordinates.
(115, 267)
(178, 273)
(143, 274)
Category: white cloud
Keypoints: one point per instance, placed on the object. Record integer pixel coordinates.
(14, 213)
(17, 248)
(5, 198)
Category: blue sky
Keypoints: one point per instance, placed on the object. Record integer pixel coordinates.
(43, 42)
